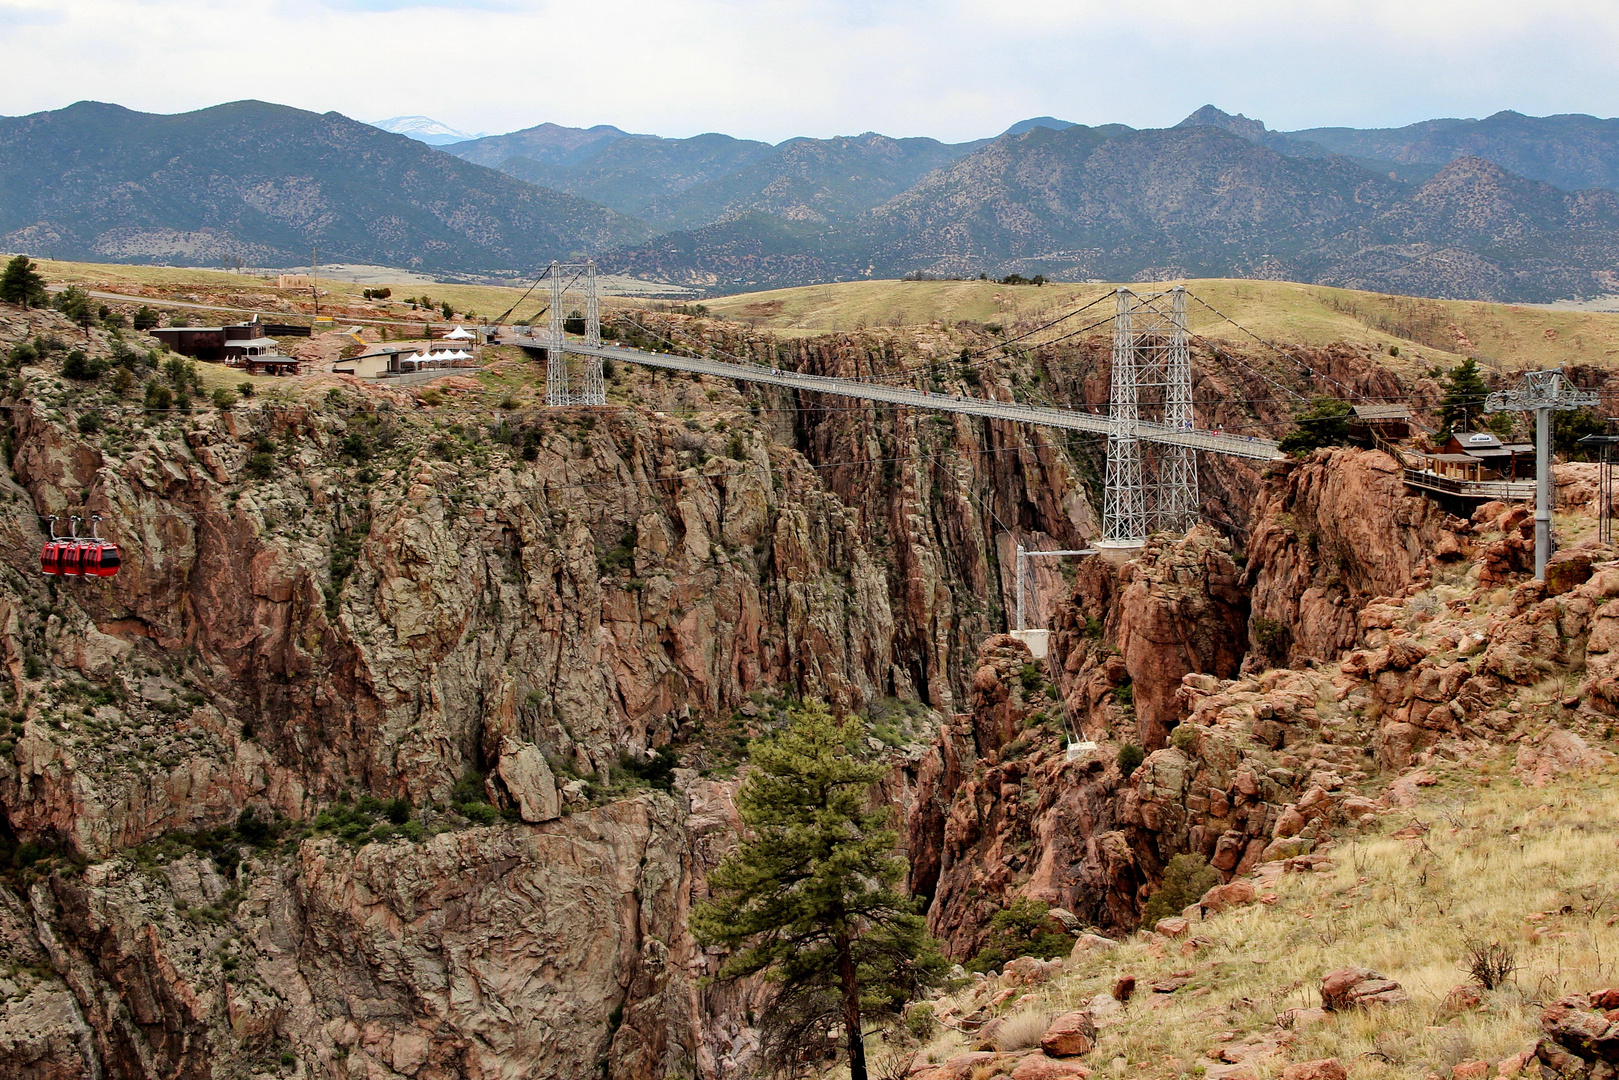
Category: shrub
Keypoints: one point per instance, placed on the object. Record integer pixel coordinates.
(81, 367)
(921, 1022)
(223, 397)
(356, 446)
(1492, 964)
(478, 813)
(245, 389)
(261, 466)
(251, 829)
(1186, 879)
(1130, 758)
(1184, 739)
(158, 397)
(1023, 928)
(658, 772)
(145, 318)
(89, 424)
(398, 810)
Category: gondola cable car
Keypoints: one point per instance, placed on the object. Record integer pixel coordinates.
(79, 556)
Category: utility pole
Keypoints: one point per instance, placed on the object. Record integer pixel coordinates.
(314, 279)
(1542, 392)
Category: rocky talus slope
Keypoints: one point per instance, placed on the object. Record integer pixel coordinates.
(1353, 807)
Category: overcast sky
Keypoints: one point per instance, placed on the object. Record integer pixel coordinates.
(771, 69)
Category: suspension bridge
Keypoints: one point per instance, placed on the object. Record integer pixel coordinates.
(1150, 399)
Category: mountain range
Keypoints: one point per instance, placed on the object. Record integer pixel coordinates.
(1511, 207)
(424, 129)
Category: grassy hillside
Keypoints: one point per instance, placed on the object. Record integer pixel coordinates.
(1434, 331)
(1445, 330)
(1481, 858)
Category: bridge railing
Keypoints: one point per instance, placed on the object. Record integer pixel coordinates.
(1044, 415)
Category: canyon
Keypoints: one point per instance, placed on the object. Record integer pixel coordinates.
(352, 770)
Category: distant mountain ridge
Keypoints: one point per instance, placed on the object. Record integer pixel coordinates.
(265, 183)
(1466, 209)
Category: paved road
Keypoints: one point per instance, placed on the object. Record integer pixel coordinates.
(1068, 419)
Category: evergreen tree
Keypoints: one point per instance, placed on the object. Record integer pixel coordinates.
(1463, 403)
(1324, 423)
(811, 898)
(74, 302)
(21, 283)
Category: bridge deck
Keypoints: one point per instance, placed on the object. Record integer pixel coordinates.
(1067, 419)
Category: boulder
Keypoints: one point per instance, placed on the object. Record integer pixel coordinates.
(1069, 1035)
(1565, 570)
(965, 1066)
(1322, 1069)
(1066, 919)
(1088, 942)
(1462, 999)
(1029, 971)
(1577, 1028)
(1559, 752)
(1229, 895)
(1124, 988)
(1358, 988)
(528, 778)
(1041, 1067)
(1290, 847)
(1470, 1070)
(1173, 927)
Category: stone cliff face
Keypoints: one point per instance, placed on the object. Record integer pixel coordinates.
(343, 594)
(431, 640)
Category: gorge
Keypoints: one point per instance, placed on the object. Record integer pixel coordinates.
(352, 770)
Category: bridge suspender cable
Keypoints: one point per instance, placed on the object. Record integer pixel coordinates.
(501, 318)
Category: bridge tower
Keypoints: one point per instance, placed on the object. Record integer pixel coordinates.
(564, 276)
(1152, 375)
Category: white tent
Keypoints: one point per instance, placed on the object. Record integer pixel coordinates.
(458, 334)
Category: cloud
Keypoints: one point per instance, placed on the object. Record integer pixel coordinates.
(13, 17)
(771, 69)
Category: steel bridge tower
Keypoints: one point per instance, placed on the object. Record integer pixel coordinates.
(1152, 375)
(593, 390)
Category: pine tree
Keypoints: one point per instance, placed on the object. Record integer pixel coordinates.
(1463, 403)
(21, 283)
(811, 898)
(1324, 423)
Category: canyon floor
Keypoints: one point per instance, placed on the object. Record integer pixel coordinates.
(404, 741)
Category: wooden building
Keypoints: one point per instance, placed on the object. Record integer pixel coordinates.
(1497, 460)
(1369, 423)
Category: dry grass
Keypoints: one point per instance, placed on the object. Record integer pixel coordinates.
(1425, 331)
(1533, 870)
(1022, 1029)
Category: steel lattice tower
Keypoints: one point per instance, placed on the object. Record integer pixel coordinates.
(1152, 372)
(594, 390)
